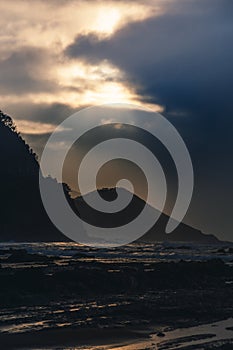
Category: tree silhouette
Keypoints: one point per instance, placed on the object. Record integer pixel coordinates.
(22, 215)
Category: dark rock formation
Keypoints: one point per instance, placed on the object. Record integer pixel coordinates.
(183, 233)
(23, 217)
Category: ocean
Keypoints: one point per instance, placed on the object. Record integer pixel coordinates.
(127, 295)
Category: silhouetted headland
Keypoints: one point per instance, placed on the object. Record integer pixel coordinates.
(23, 217)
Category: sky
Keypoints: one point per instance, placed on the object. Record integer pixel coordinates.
(173, 56)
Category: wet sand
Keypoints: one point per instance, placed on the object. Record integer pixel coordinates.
(199, 337)
(63, 338)
(89, 300)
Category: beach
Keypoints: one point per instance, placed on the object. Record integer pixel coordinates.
(154, 296)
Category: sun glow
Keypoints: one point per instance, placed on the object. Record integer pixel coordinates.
(108, 92)
(86, 84)
(107, 20)
(75, 83)
(72, 73)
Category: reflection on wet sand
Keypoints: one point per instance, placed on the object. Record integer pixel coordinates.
(64, 296)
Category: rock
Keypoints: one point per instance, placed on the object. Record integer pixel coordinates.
(160, 334)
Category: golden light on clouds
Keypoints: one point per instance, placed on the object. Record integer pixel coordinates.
(107, 93)
(48, 23)
(70, 73)
(107, 21)
(33, 128)
(48, 29)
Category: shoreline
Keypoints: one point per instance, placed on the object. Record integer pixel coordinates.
(64, 297)
(70, 337)
(206, 334)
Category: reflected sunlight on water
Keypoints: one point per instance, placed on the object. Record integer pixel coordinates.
(125, 309)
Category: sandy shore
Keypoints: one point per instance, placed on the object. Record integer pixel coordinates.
(69, 337)
(52, 302)
(193, 337)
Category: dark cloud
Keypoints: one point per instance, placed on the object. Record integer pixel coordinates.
(51, 113)
(183, 60)
(25, 71)
(91, 48)
(180, 59)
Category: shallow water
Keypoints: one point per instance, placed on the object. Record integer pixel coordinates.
(179, 338)
(87, 312)
(151, 252)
